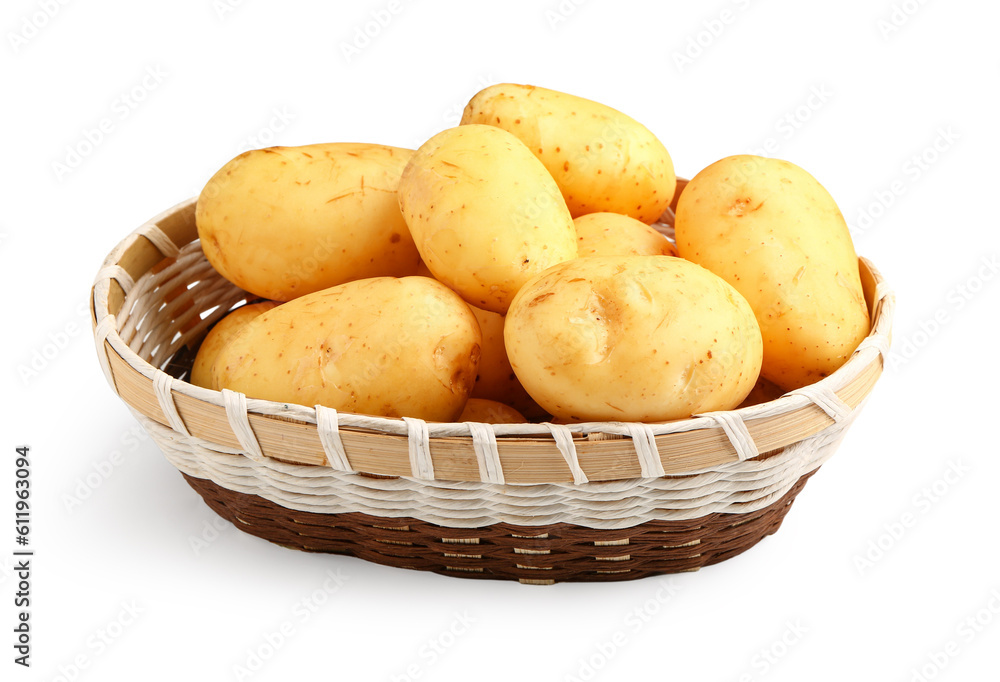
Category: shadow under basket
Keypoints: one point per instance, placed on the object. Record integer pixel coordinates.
(537, 503)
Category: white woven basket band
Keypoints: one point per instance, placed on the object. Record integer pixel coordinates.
(236, 410)
(162, 384)
(882, 290)
(160, 240)
(118, 273)
(484, 442)
(737, 488)
(878, 342)
(826, 399)
(736, 430)
(328, 428)
(419, 442)
(564, 441)
(161, 313)
(104, 328)
(645, 449)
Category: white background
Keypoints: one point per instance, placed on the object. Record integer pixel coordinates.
(895, 80)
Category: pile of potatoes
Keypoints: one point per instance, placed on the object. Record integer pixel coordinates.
(507, 270)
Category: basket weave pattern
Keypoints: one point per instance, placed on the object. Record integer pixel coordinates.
(320, 480)
(552, 553)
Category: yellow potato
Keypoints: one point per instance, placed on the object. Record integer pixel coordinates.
(490, 412)
(392, 347)
(485, 214)
(221, 334)
(424, 271)
(601, 159)
(763, 391)
(496, 379)
(632, 338)
(681, 184)
(772, 231)
(287, 221)
(613, 234)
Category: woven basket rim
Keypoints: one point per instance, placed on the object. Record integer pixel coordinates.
(682, 446)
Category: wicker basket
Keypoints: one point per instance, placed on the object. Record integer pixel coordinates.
(538, 503)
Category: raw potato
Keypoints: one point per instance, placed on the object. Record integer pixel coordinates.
(632, 338)
(382, 346)
(287, 221)
(601, 159)
(424, 271)
(221, 334)
(763, 391)
(681, 184)
(613, 234)
(490, 412)
(496, 379)
(485, 214)
(772, 231)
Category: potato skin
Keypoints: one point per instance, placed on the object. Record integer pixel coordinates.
(763, 391)
(424, 271)
(287, 221)
(601, 159)
(485, 214)
(381, 346)
(613, 234)
(496, 380)
(632, 338)
(217, 338)
(772, 231)
(490, 412)
(681, 184)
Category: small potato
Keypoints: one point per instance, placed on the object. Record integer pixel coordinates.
(763, 391)
(490, 412)
(681, 184)
(485, 214)
(772, 231)
(601, 159)
(632, 338)
(424, 271)
(382, 346)
(613, 234)
(221, 334)
(496, 380)
(287, 221)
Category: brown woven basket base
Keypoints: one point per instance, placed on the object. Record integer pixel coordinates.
(558, 552)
